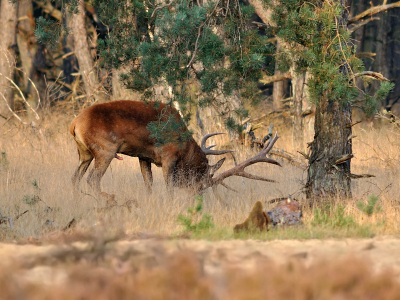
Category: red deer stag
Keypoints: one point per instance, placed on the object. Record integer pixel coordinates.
(102, 131)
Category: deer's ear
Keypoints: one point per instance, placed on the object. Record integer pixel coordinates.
(215, 167)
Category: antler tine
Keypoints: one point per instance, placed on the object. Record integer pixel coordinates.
(239, 169)
(207, 150)
(228, 187)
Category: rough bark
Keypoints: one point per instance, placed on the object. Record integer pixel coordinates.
(82, 52)
(278, 87)
(26, 44)
(326, 177)
(32, 56)
(381, 61)
(8, 29)
(70, 64)
(298, 93)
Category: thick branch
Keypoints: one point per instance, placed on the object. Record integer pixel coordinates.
(361, 24)
(365, 54)
(374, 75)
(372, 11)
(50, 9)
(274, 78)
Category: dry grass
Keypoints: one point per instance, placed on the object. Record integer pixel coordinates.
(43, 167)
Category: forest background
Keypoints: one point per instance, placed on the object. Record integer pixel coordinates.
(224, 65)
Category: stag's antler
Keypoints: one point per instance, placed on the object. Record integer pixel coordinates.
(207, 150)
(239, 169)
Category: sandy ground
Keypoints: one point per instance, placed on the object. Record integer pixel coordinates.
(382, 252)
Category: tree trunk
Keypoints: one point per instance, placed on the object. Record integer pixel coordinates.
(8, 29)
(381, 62)
(298, 92)
(70, 64)
(326, 177)
(82, 52)
(118, 88)
(32, 56)
(25, 43)
(278, 87)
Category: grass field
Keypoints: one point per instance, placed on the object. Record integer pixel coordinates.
(139, 250)
(36, 169)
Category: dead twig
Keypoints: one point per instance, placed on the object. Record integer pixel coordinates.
(196, 47)
(371, 74)
(161, 7)
(22, 95)
(11, 220)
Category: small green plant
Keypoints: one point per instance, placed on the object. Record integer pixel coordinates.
(371, 205)
(188, 222)
(332, 216)
(33, 198)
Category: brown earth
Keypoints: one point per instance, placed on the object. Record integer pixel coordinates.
(382, 253)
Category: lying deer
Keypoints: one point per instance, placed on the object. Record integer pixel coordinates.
(102, 131)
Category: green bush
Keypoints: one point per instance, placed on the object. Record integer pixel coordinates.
(194, 213)
(332, 216)
(371, 205)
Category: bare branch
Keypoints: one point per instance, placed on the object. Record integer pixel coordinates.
(371, 74)
(161, 7)
(355, 176)
(290, 159)
(10, 109)
(304, 154)
(196, 47)
(274, 78)
(372, 11)
(361, 24)
(22, 95)
(352, 124)
(344, 158)
(365, 54)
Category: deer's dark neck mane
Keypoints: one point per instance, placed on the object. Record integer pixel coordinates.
(192, 158)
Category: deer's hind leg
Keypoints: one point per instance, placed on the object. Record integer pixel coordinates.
(101, 162)
(85, 158)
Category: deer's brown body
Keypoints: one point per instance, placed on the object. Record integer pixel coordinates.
(103, 130)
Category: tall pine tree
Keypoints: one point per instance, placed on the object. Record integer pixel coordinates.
(318, 42)
(182, 45)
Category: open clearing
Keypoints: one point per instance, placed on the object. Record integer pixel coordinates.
(139, 250)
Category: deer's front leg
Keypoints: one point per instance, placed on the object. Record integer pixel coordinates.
(168, 167)
(145, 168)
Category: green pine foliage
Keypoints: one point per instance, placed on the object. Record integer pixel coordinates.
(371, 206)
(175, 44)
(204, 224)
(168, 129)
(48, 32)
(320, 44)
